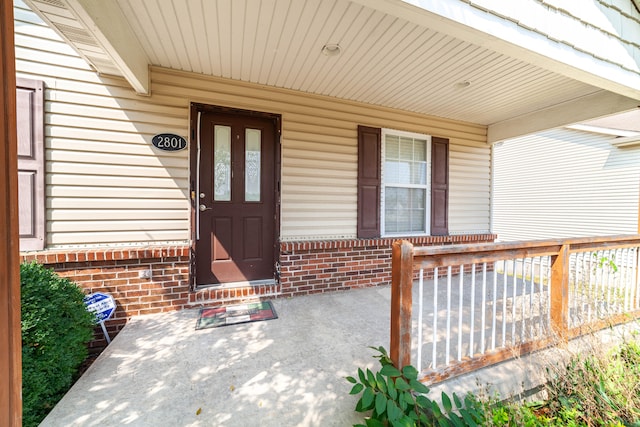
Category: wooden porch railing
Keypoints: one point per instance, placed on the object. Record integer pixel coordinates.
(479, 304)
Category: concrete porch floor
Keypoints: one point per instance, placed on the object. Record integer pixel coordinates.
(161, 371)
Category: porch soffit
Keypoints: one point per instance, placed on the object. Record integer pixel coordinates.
(423, 63)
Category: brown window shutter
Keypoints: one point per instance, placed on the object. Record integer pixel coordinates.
(369, 180)
(439, 186)
(31, 193)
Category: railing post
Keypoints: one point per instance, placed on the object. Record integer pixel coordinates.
(401, 302)
(560, 292)
(10, 337)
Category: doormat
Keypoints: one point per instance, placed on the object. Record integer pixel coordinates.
(234, 314)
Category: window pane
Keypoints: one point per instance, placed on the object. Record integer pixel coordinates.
(391, 197)
(406, 148)
(222, 164)
(404, 173)
(252, 156)
(392, 144)
(391, 171)
(417, 220)
(417, 209)
(419, 173)
(417, 198)
(403, 201)
(420, 150)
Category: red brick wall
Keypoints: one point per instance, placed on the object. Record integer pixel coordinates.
(315, 267)
(116, 271)
(305, 268)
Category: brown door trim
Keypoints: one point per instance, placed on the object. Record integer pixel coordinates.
(193, 134)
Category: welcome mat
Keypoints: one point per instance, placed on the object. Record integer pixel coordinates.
(234, 314)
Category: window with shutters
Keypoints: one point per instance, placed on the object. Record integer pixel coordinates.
(403, 181)
(31, 194)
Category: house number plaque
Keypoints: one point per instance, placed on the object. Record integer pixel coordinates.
(169, 142)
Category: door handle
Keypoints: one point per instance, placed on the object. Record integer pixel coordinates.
(204, 208)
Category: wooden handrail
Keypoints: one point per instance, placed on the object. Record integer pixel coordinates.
(407, 258)
(442, 256)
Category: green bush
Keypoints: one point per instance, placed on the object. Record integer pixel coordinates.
(55, 330)
(396, 398)
(593, 389)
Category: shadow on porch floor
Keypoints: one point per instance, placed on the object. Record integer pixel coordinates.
(160, 371)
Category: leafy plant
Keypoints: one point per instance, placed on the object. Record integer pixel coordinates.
(606, 263)
(397, 398)
(55, 330)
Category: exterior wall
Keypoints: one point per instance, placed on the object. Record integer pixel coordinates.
(116, 207)
(564, 183)
(106, 184)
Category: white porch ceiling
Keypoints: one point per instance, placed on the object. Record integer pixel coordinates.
(384, 60)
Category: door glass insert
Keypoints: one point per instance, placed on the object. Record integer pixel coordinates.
(222, 164)
(252, 156)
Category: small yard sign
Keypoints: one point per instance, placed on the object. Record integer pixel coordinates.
(103, 306)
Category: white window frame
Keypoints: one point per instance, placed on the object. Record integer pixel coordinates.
(427, 186)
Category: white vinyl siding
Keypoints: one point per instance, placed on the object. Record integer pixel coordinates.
(106, 184)
(564, 183)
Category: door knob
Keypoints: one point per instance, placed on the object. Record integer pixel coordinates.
(203, 208)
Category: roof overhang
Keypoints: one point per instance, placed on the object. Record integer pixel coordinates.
(455, 59)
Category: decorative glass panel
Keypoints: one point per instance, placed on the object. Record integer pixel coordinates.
(222, 164)
(252, 156)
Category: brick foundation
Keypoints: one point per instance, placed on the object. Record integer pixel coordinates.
(305, 268)
(320, 266)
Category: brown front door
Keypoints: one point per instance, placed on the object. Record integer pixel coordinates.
(235, 201)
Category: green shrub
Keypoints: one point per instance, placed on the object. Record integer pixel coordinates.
(593, 389)
(397, 398)
(55, 330)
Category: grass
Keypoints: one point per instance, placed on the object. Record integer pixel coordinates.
(597, 388)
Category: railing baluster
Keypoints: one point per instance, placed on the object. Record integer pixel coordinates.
(606, 268)
(632, 279)
(522, 304)
(420, 325)
(587, 286)
(625, 275)
(504, 304)
(435, 318)
(634, 273)
(495, 306)
(542, 329)
(532, 332)
(448, 340)
(460, 309)
(484, 306)
(620, 288)
(591, 289)
(472, 308)
(514, 303)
